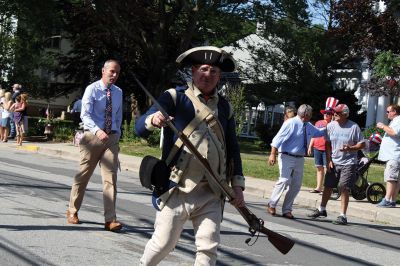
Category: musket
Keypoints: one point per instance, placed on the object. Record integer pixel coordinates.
(282, 243)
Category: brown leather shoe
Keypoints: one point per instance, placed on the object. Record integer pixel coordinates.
(288, 215)
(271, 210)
(113, 226)
(72, 218)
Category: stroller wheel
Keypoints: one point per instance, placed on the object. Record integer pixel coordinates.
(358, 193)
(335, 194)
(375, 193)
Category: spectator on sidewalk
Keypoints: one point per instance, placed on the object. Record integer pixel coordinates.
(317, 145)
(2, 92)
(389, 152)
(102, 118)
(290, 112)
(19, 110)
(5, 116)
(16, 91)
(291, 143)
(344, 139)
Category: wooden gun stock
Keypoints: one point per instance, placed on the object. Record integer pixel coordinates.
(282, 243)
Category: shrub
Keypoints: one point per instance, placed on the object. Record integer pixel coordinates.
(35, 128)
(266, 134)
(372, 129)
(154, 138)
(63, 133)
(128, 132)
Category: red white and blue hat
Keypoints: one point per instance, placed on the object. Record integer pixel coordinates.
(376, 137)
(330, 104)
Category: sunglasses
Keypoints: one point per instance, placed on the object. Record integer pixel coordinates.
(338, 113)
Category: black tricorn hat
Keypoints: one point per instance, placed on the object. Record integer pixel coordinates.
(154, 174)
(209, 55)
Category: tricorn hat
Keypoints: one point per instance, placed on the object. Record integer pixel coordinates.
(209, 55)
(154, 174)
(330, 104)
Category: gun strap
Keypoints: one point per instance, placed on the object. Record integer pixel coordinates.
(211, 120)
(202, 112)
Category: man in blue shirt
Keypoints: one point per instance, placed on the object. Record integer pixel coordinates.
(291, 143)
(101, 114)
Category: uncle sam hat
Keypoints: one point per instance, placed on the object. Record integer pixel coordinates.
(330, 104)
(208, 55)
(376, 137)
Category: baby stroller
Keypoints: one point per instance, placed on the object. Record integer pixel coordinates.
(362, 189)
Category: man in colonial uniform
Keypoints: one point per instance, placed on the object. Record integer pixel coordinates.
(206, 118)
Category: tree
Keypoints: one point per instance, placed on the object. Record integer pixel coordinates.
(385, 75)
(236, 96)
(361, 30)
(145, 36)
(7, 40)
(28, 26)
(295, 65)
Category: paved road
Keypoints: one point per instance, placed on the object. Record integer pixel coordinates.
(35, 188)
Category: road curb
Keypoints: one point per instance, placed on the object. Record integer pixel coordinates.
(32, 148)
(254, 186)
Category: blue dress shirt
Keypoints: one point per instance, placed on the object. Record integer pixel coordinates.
(94, 105)
(290, 137)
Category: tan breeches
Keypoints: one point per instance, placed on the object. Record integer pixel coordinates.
(203, 208)
(92, 152)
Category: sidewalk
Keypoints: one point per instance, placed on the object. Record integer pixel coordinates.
(254, 186)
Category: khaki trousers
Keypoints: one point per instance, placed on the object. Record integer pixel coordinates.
(203, 208)
(93, 151)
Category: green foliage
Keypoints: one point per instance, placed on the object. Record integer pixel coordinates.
(386, 65)
(35, 128)
(63, 130)
(236, 96)
(295, 62)
(266, 134)
(154, 138)
(372, 129)
(146, 37)
(63, 133)
(128, 132)
(35, 23)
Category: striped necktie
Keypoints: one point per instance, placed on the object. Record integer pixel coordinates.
(108, 112)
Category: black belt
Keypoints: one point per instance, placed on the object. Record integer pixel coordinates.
(293, 155)
(112, 131)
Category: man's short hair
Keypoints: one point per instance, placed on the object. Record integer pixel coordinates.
(106, 63)
(17, 86)
(304, 110)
